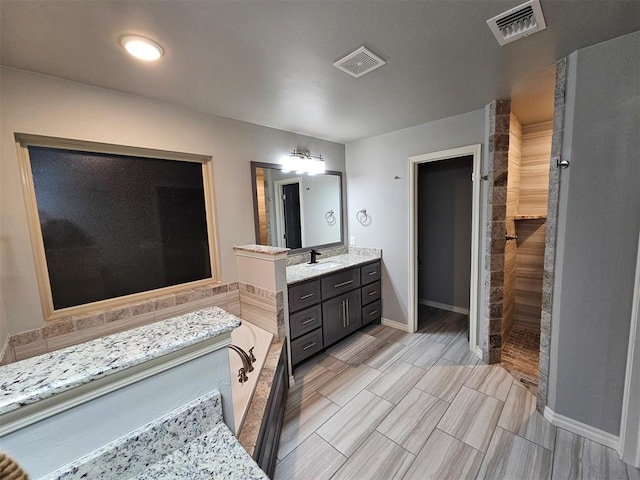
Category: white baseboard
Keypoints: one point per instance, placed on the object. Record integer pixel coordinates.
(582, 429)
(393, 324)
(478, 352)
(444, 306)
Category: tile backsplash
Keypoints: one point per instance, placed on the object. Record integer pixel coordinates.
(299, 258)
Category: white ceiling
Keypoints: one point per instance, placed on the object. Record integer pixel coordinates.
(269, 62)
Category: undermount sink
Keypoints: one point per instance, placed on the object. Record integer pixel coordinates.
(324, 265)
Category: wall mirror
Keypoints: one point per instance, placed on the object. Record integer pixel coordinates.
(296, 211)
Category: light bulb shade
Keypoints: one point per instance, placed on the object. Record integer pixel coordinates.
(141, 47)
(316, 167)
(302, 163)
(287, 164)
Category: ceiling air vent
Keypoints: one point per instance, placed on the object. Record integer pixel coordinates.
(359, 62)
(518, 22)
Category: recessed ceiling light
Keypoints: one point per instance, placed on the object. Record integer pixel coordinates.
(141, 47)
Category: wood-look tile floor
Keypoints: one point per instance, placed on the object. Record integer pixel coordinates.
(385, 404)
(520, 354)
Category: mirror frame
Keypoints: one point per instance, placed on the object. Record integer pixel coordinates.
(256, 219)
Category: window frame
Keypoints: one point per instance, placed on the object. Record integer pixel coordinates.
(50, 314)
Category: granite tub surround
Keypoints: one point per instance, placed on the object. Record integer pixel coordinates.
(216, 454)
(248, 435)
(73, 330)
(190, 442)
(355, 256)
(28, 381)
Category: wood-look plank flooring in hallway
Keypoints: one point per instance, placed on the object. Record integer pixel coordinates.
(421, 406)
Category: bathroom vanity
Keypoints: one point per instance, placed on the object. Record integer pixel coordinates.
(332, 299)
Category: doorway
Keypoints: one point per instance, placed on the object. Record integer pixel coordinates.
(288, 213)
(474, 157)
(519, 223)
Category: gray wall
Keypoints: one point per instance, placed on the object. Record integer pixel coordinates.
(372, 165)
(42, 105)
(598, 226)
(445, 195)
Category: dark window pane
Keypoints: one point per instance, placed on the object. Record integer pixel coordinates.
(114, 225)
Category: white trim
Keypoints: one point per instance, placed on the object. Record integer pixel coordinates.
(36, 412)
(629, 449)
(393, 324)
(582, 429)
(443, 306)
(476, 152)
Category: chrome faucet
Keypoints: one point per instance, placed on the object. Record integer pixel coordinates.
(247, 362)
(314, 254)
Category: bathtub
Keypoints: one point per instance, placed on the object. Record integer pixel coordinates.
(246, 336)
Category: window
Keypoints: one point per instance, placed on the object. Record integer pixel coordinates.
(111, 225)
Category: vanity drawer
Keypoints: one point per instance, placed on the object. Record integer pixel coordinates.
(370, 273)
(371, 312)
(304, 295)
(305, 320)
(340, 282)
(371, 292)
(306, 346)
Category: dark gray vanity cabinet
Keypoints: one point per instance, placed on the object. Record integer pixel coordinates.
(341, 316)
(326, 309)
(371, 293)
(305, 320)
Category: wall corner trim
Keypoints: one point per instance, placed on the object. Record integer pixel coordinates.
(599, 436)
(393, 324)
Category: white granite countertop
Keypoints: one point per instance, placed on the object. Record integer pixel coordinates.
(28, 381)
(191, 442)
(264, 249)
(216, 454)
(304, 271)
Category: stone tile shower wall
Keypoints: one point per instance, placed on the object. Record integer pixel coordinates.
(511, 246)
(498, 162)
(552, 222)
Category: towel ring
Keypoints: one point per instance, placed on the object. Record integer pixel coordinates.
(363, 217)
(330, 217)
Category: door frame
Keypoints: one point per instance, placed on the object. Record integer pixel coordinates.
(280, 230)
(414, 162)
(629, 445)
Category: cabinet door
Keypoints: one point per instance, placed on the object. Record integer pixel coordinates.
(341, 316)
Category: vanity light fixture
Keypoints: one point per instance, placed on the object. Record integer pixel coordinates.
(141, 47)
(303, 162)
